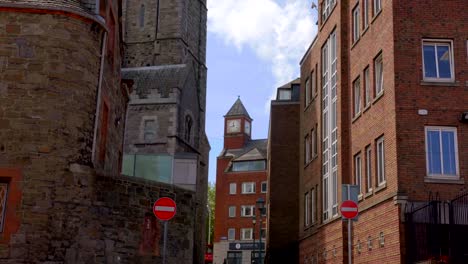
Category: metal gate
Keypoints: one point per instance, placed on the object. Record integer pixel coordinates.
(437, 231)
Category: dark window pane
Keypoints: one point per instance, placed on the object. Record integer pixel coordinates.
(443, 56)
(448, 154)
(429, 61)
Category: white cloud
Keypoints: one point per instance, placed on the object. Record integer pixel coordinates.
(277, 33)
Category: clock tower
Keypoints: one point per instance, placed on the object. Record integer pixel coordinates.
(237, 126)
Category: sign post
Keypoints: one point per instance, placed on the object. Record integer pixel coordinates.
(349, 210)
(164, 209)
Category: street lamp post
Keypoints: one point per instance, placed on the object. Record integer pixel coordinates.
(261, 207)
(254, 220)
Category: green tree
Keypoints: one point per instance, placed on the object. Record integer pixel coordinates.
(211, 209)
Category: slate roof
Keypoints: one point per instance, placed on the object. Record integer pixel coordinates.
(73, 5)
(156, 77)
(288, 85)
(238, 109)
(259, 144)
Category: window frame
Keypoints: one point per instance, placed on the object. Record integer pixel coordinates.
(356, 23)
(439, 42)
(243, 237)
(313, 206)
(233, 213)
(357, 96)
(235, 188)
(365, 13)
(380, 161)
(229, 238)
(314, 146)
(306, 209)
(369, 168)
(367, 87)
(245, 184)
(456, 154)
(377, 92)
(307, 149)
(3, 212)
(243, 210)
(264, 183)
(358, 171)
(307, 93)
(377, 11)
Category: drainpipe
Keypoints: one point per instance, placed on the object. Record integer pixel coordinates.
(98, 103)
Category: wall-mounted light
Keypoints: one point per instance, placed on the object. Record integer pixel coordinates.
(381, 239)
(334, 251)
(358, 247)
(369, 243)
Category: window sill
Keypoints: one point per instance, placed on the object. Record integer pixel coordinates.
(440, 83)
(307, 106)
(326, 19)
(360, 197)
(364, 31)
(356, 117)
(376, 16)
(377, 98)
(381, 187)
(368, 194)
(355, 43)
(428, 179)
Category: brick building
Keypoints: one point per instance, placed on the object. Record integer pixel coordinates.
(384, 92)
(240, 182)
(164, 59)
(283, 176)
(63, 108)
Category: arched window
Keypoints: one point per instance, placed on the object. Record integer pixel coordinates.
(188, 128)
(142, 16)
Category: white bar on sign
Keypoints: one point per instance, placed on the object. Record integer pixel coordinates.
(165, 208)
(349, 209)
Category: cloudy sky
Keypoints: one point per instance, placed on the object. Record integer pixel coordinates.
(254, 46)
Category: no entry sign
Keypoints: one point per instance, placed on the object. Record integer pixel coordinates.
(349, 209)
(164, 208)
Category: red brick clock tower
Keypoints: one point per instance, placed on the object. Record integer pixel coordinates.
(237, 126)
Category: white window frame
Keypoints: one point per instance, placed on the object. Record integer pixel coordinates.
(232, 211)
(244, 187)
(306, 209)
(369, 168)
(380, 153)
(439, 42)
(377, 7)
(365, 10)
(356, 23)
(357, 96)
(233, 237)
(244, 210)
(307, 92)
(367, 87)
(358, 171)
(313, 207)
(264, 183)
(233, 188)
(456, 154)
(245, 231)
(329, 128)
(378, 80)
(327, 7)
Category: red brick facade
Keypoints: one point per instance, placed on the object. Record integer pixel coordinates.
(399, 115)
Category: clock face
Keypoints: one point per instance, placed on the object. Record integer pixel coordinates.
(233, 125)
(247, 128)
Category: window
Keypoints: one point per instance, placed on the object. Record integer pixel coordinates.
(307, 149)
(149, 130)
(256, 165)
(188, 129)
(264, 187)
(357, 172)
(247, 210)
(157, 168)
(327, 7)
(248, 187)
(442, 152)
(246, 233)
(313, 207)
(380, 161)
(232, 188)
(369, 168)
(306, 209)
(104, 128)
(438, 60)
(3, 199)
(329, 128)
(263, 233)
(367, 91)
(284, 94)
(314, 141)
(356, 24)
(377, 6)
(231, 234)
(232, 211)
(142, 16)
(378, 68)
(314, 83)
(357, 96)
(307, 92)
(365, 4)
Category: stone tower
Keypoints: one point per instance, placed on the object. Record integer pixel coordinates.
(164, 62)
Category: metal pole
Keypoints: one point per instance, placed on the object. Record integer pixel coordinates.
(253, 234)
(349, 231)
(260, 240)
(164, 242)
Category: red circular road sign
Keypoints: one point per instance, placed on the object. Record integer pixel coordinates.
(164, 208)
(349, 209)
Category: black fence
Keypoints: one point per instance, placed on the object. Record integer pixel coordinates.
(437, 231)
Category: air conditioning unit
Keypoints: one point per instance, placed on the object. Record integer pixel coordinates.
(464, 117)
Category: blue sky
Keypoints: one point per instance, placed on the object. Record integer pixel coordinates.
(253, 47)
